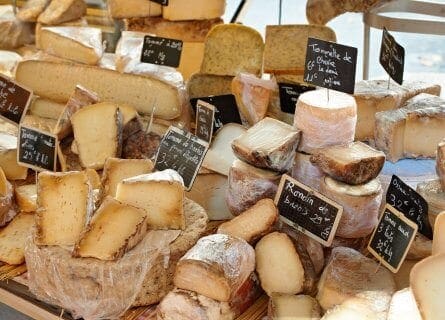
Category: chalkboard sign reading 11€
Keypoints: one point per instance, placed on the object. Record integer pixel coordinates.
(182, 152)
(392, 238)
(161, 51)
(36, 149)
(14, 100)
(307, 210)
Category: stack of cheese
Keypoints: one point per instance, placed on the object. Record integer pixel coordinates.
(189, 21)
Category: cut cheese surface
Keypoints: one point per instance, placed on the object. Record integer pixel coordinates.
(203, 85)
(440, 162)
(133, 8)
(299, 307)
(46, 108)
(26, 197)
(13, 239)
(439, 235)
(8, 158)
(60, 11)
(194, 9)
(403, 306)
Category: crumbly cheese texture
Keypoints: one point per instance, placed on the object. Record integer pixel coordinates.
(286, 306)
(60, 11)
(8, 158)
(26, 197)
(133, 8)
(194, 10)
(13, 239)
(203, 85)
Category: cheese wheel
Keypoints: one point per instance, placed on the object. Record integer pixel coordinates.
(360, 203)
(325, 122)
(304, 171)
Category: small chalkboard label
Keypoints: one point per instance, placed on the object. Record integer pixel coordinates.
(183, 152)
(330, 65)
(405, 199)
(205, 116)
(392, 238)
(289, 94)
(14, 100)
(226, 110)
(36, 149)
(392, 57)
(307, 210)
(161, 51)
(161, 2)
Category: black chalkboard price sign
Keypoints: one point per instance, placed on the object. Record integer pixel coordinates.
(330, 65)
(392, 57)
(205, 116)
(14, 100)
(406, 200)
(161, 2)
(161, 51)
(289, 94)
(392, 238)
(307, 210)
(36, 149)
(182, 152)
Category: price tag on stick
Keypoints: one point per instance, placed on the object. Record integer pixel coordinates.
(392, 238)
(392, 57)
(14, 100)
(182, 152)
(161, 51)
(205, 116)
(289, 94)
(307, 210)
(36, 149)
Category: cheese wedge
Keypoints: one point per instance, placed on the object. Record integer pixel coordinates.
(13, 239)
(115, 229)
(119, 9)
(31, 10)
(60, 11)
(221, 44)
(433, 193)
(79, 44)
(116, 170)
(287, 307)
(160, 194)
(270, 144)
(64, 207)
(8, 62)
(82, 22)
(439, 235)
(26, 197)
(194, 9)
(57, 81)
(440, 162)
(203, 85)
(403, 306)
(8, 158)
(46, 108)
(13, 32)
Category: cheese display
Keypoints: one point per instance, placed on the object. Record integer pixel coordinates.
(26, 197)
(270, 144)
(222, 41)
(215, 267)
(56, 81)
(133, 8)
(439, 236)
(403, 306)
(79, 44)
(202, 9)
(46, 108)
(433, 193)
(314, 110)
(285, 49)
(13, 239)
(203, 85)
(427, 286)
(304, 171)
(248, 185)
(13, 32)
(64, 207)
(31, 10)
(8, 62)
(355, 163)
(60, 11)
(440, 162)
(8, 158)
(253, 223)
(286, 306)
(7, 211)
(159, 194)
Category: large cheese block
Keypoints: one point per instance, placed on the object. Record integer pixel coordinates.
(248, 185)
(79, 44)
(361, 205)
(64, 207)
(349, 275)
(440, 162)
(403, 306)
(160, 194)
(315, 111)
(7, 211)
(433, 193)
(285, 49)
(8, 62)
(8, 158)
(31, 10)
(216, 266)
(269, 144)
(13, 32)
(194, 9)
(133, 8)
(13, 239)
(26, 197)
(439, 235)
(116, 170)
(355, 163)
(221, 44)
(426, 281)
(57, 81)
(46, 108)
(305, 171)
(286, 307)
(115, 229)
(203, 85)
(60, 11)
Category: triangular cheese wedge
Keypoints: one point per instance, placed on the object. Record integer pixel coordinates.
(62, 11)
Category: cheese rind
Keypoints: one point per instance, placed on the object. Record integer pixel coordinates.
(13, 239)
(60, 11)
(286, 307)
(193, 10)
(26, 197)
(440, 162)
(305, 172)
(8, 158)
(119, 9)
(439, 235)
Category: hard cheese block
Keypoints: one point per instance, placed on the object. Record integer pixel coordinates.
(46, 108)
(203, 85)
(269, 144)
(31, 10)
(79, 44)
(216, 266)
(64, 207)
(440, 162)
(194, 9)
(403, 306)
(133, 8)
(13, 32)
(8, 62)
(355, 163)
(305, 171)
(160, 194)
(285, 49)
(115, 229)
(26, 197)
(13, 239)
(286, 306)
(56, 81)
(8, 158)
(337, 116)
(439, 235)
(60, 11)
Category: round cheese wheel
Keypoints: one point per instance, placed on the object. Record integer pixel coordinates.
(325, 122)
(304, 171)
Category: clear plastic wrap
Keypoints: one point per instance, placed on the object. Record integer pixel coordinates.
(91, 288)
(304, 171)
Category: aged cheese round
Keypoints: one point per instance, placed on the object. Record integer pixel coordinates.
(325, 122)
(433, 193)
(304, 171)
(360, 203)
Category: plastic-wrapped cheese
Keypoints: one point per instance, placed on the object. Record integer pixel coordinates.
(325, 122)
(304, 171)
(360, 203)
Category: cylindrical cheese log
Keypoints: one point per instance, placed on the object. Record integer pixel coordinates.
(304, 171)
(325, 121)
(360, 205)
(248, 185)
